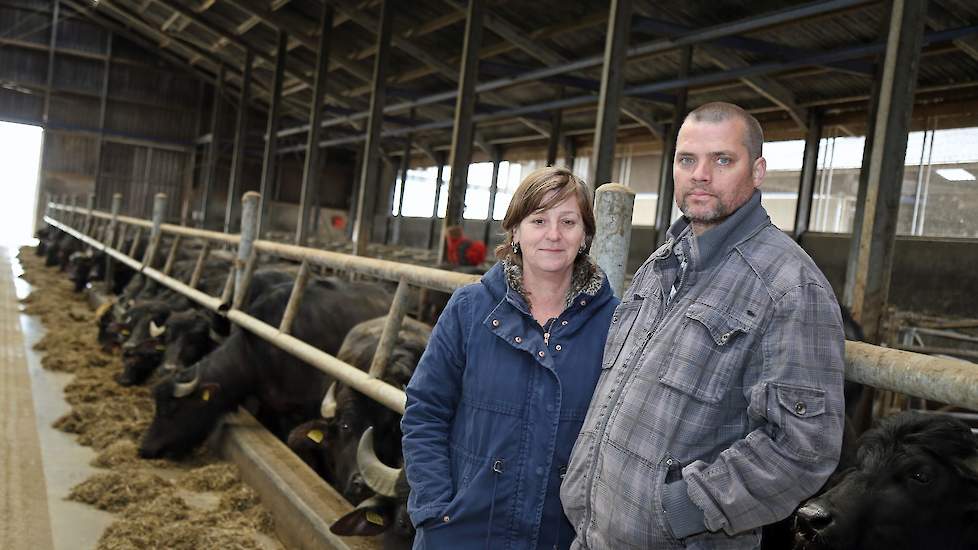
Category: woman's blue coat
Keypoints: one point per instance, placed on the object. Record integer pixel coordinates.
(492, 415)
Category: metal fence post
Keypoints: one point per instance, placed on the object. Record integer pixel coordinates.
(87, 228)
(113, 227)
(392, 328)
(613, 204)
(73, 217)
(156, 233)
(249, 230)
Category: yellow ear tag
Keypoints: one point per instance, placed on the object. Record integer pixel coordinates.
(375, 518)
(315, 435)
(102, 309)
(206, 396)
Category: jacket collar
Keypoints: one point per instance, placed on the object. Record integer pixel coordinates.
(709, 248)
(589, 285)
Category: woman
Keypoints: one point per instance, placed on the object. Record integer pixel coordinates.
(501, 391)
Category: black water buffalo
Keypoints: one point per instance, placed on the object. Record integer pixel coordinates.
(329, 444)
(59, 249)
(43, 236)
(144, 347)
(153, 338)
(288, 391)
(86, 267)
(433, 302)
(386, 512)
(913, 486)
(341, 446)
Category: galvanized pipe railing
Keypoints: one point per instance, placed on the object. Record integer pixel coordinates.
(367, 383)
(933, 378)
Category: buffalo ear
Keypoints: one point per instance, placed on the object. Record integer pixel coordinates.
(362, 522)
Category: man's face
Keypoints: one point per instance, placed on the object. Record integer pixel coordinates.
(713, 172)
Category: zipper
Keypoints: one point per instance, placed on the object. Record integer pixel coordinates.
(600, 434)
(546, 332)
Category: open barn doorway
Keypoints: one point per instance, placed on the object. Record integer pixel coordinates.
(20, 154)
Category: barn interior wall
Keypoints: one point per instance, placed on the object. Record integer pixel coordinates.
(150, 108)
(929, 275)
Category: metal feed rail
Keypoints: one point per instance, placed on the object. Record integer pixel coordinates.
(934, 378)
(245, 264)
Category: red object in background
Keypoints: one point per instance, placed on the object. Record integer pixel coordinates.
(338, 222)
(460, 250)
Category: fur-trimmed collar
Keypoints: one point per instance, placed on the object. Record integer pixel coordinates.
(586, 279)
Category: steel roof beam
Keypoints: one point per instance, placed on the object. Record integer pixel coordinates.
(642, 23)
(851, 52)
(657, 46)
(940, 18)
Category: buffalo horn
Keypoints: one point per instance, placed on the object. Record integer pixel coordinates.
(155, 331)
(215, 337)
(328, 408)
(183, 389)
(380, 477)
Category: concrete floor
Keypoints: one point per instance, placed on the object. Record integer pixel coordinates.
(70, 525)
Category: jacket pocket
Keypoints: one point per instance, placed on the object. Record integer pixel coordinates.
(711, 345)
(801, 418)
(621, 325)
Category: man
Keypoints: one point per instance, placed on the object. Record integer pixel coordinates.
(719, 407)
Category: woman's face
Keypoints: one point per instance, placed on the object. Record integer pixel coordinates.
(550, 239)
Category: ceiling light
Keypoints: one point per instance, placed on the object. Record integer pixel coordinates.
(956, 174)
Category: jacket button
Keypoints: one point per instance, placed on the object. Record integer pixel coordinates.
(583, 302)
(446, 519)
(540, 353)
(495, 322)
(563, 323)
(800, 407)
(557, 347)
(518, 339)
(670, 462)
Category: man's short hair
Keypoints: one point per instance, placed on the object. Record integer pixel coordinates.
(719, 111)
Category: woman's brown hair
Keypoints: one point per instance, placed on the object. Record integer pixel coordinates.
(530, 197)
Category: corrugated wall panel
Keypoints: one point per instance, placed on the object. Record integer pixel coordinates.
(78, 74)
(69, 154)
(26, 67)
(164, 88)
(124, 170)
(20, 106)
(74, 112)
(29, 26)
(129, 119)
(80, 34)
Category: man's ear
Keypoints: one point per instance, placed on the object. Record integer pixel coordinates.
(759, 171)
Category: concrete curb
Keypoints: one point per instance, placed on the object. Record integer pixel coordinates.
(303, 505)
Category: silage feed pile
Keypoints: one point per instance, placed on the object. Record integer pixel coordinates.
(197, 503)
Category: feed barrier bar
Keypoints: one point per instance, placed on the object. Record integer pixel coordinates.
(933, 378)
